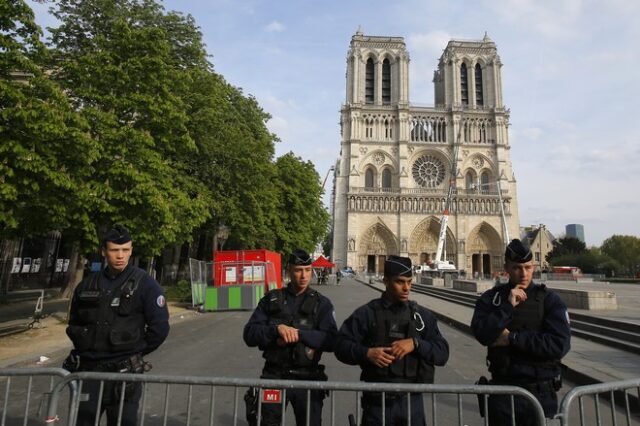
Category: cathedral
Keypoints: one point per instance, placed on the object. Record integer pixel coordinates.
(399, 161)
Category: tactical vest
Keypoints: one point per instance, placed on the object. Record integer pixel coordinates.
(305, 318)
(108, 322)
(388, 326)
(528, 315)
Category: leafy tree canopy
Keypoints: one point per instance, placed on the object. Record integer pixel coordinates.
(564, 246)
(626, 250)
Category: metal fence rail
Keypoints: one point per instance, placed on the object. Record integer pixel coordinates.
(22, 390)
(617, 393)
(216, 400)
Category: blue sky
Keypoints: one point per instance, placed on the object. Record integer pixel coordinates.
(570, 78)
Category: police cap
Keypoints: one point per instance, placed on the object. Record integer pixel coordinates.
(300, 257)
(397, 265)
(517, 252)
(117, 235)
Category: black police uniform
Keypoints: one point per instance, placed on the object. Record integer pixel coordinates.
(313, 315)
(539, 337)
(379, 323)
(113, 322)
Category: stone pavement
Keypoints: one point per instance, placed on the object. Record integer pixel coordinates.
(587, 362)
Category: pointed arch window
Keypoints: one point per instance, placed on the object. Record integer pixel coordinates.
(464, 89)
(386, 82)
(470, 180)
(479, 90)
(386, 178)
(368, 179)
(484, 182)
(369, 85)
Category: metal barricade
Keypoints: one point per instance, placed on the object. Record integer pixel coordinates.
(618, 396)
(198, 400)
(20, 390)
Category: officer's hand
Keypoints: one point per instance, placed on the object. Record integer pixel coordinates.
(503, 338)
(288, 334)
(400, 348)
(380, 357)
(516, 296)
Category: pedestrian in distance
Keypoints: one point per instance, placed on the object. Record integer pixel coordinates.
(525, 327)
(393, 340)
(117, 316)
(293, 326)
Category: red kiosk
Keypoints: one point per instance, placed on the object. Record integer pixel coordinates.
(241, 278)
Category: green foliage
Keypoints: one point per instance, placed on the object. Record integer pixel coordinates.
(179, 292)
(590, 262)
(565, 246)
(626, 250)
(45, 148)
(126, 66)
(302, 219)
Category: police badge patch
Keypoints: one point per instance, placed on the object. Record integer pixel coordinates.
(160, 301)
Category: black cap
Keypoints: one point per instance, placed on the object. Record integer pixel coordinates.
(518, 252)
(300, 257)
(396, 265)
(117, 235)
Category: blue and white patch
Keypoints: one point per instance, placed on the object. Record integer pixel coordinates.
(160, 301)
(566, 314)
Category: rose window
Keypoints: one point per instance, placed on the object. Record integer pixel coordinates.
(428, 171)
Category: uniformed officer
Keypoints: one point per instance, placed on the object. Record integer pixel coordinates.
(526, 329)
(393, 340)
(293, 326)
(116, 316)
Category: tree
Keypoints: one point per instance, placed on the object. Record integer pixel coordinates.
(234, 160)
(564, 246)
(126, 65)
(302, 220)
(46, 151)
(625, 249)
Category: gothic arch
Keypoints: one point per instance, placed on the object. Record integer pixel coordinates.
(368, 161)
(424, 240)
(484, 250)
(378, 240)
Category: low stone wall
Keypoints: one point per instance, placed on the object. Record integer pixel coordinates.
(588, 299)
(472, 285)
(436, 282)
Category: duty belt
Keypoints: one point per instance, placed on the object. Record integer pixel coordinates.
(105, 365)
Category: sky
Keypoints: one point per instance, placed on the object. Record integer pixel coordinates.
(570, 79)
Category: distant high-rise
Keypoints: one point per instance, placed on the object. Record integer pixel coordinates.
(575, 230)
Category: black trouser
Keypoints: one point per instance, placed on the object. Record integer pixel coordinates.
(272, 412)
(500, 407)
(395, 409)
(111, 396)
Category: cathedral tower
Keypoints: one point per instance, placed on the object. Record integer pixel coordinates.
(397, 159)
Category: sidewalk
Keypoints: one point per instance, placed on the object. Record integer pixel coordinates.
(586, 363)
(25, 348)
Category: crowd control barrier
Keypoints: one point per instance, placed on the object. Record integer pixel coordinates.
(27, 392)
(621, 408)
(220, 401)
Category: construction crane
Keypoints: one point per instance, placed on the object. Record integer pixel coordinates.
(440, 266)
(332, 168)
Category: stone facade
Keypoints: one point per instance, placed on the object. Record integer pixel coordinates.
(397, 160)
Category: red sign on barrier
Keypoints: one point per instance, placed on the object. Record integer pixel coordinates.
(271, 396)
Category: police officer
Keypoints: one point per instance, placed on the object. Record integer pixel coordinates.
(116, 316)
(293, 326)
(393, 340)
(525, 327)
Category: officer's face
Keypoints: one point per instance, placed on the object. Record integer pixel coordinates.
(300, 276)
(117, 255)
(398, 288)
(520, 274)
